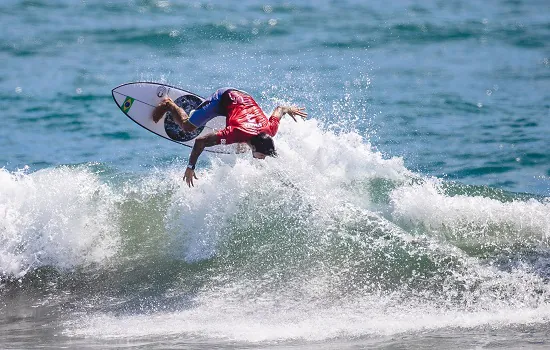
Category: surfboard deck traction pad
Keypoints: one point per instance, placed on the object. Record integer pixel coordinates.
(188, 103)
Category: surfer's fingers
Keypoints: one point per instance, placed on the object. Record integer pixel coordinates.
(302, 114)
(195, 175)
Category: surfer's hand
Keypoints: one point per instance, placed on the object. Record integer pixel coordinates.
(188, 177)
(163, 107)
(292, 111)
(296, 111)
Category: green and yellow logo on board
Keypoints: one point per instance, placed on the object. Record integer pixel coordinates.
(127, 104)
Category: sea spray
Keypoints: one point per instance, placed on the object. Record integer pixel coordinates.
(313, 173)
(62, 217)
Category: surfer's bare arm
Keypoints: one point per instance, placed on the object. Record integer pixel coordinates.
(200, 144)
(292, 111)
(179, 115)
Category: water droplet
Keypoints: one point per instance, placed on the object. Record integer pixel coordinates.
(272, 22)
(78, 91)
(479, 105)
(489, 92)
(18, 90)
(268, 9)
(163, 3)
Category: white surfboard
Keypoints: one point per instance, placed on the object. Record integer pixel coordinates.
(137, 100)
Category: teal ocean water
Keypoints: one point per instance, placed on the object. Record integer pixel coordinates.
(411, 210)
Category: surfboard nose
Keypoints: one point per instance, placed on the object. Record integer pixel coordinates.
(118, 96)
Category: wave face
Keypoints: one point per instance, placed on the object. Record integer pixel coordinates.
(329, 240)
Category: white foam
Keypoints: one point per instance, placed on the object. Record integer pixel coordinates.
(471, 217)
(220, 317)
(318, 164)
(57, 217)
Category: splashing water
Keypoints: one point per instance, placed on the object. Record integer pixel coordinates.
(56, 217)
(328, 240)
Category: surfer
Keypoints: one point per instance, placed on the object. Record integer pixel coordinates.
(245, 122)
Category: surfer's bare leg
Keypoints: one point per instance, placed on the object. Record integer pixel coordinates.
(178, 114)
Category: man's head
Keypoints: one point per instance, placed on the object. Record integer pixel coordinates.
(262, 145)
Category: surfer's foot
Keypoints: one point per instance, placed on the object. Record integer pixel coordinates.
(163, 107)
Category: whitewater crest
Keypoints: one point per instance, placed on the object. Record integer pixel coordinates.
(471, 219)
(63, 217)
(315, 172)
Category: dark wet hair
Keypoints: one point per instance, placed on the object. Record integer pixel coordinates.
(263, 143)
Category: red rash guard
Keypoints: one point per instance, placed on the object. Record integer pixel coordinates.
(245, 119)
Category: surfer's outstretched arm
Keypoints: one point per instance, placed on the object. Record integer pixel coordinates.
(200, 143)
(179, 115)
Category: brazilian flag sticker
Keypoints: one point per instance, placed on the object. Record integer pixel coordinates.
(127, 104)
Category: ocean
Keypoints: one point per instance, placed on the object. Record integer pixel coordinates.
(410, 211)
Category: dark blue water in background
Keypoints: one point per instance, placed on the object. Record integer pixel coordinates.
(423, 175)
